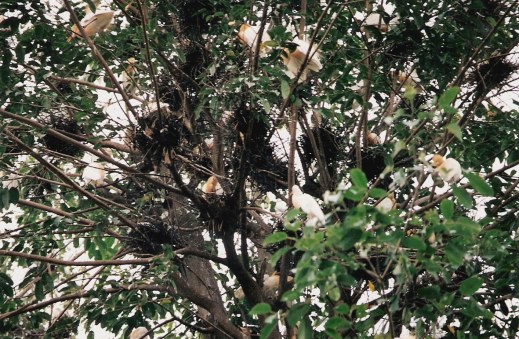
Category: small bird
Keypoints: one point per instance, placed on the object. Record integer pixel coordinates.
(93, 24)
(373, 139)
(309, 205)
(94, 174)
(248, 35)
(138, 333)
(374, 20)
(212, 186)
(270, 284)
(129, 83)
(386, 204)
(449, 169)
(410, 80)
(294, 60)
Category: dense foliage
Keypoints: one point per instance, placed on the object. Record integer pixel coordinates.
(147, 170)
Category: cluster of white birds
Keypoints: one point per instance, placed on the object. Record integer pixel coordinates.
(248, 35)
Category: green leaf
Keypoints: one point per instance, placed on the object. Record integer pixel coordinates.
(463, 196)
(471, 285)
(261, 308)
(290, 296)
(270, 324)
(429, 292)
(455, 130)
(292, 214)
(359, 178)
(38, 290)
(20, 53)
(275, 237)
(355, 193)
(297, 312)
(447, 98)
(414, 242)
(377, 193)
(342, 309)
(337, 323)
(454, 253)
(279, 253)
(285, 89)
(464, 226)
(447, 208)
(305, 329)
(480, 185)
(4, 197)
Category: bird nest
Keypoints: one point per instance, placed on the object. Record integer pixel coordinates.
(149, 238)
(156, 135)
(68, 126)
(492, 73)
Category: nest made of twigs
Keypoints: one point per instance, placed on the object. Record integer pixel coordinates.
(67, 125)
(493, 73)
(149, 237)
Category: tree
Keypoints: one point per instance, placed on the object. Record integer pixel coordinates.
(146, 168)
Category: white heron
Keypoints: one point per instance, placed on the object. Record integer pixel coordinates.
(306, 203)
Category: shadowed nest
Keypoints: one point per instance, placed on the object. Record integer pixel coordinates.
(330, 146)
(67, 125)
(493, 73)
(156, 135)
(266, 170)
(149, 237)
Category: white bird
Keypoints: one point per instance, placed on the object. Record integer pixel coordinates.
(94, 174)
(11, 181)
(93, 23)
(309, 205)
(449, 169)
(410, 80)
(373, 139)
(386, 204)
(248, 35)
(129, 74)
(212, 186)
(138, 333)
(374, 20)
(270, 284)
(294, 60)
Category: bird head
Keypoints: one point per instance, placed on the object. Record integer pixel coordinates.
(296, 190)
(241, 33)
(437, 160)
(373, 139)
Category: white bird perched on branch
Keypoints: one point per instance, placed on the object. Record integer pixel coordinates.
(373, 139)
(309, 205)
(270, 285)
(212, 186)
(93, 24)
(449, 169)
(94, 174)
(248, 35)
(294, 60)
(138, 333)
(386, 204)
